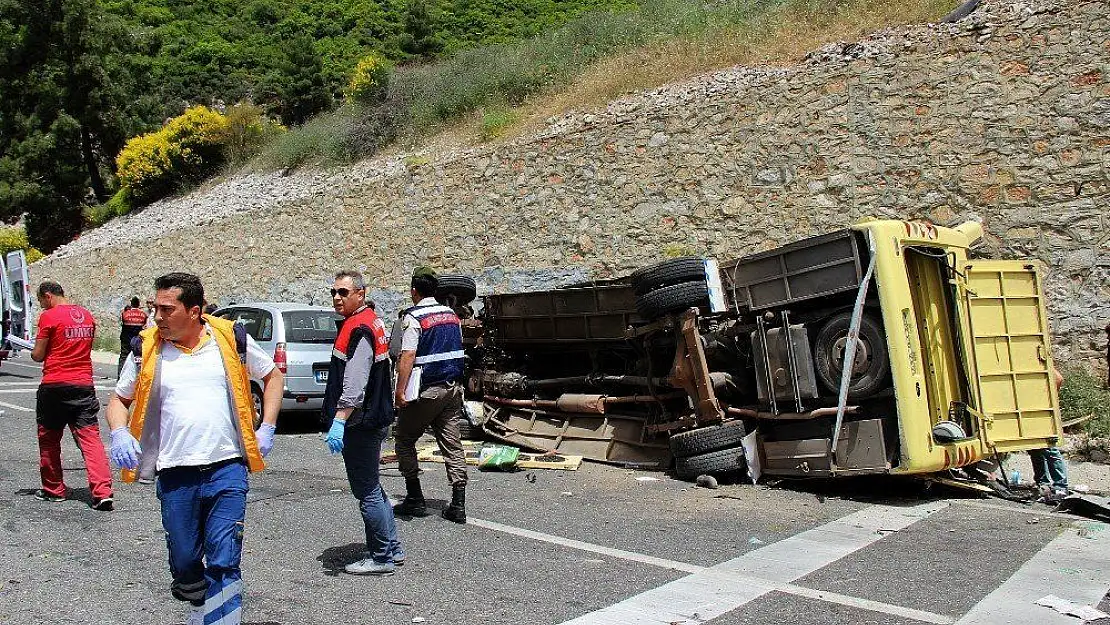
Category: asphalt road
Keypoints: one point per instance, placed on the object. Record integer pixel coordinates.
(592, 547)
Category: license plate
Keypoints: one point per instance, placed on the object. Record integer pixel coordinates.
(322, 376)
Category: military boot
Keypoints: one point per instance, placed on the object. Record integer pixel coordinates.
(457, 510)
(414, 504)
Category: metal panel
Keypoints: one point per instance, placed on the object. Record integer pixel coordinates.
(861, 446)
(1012, 354)
(800, 271)
(587, 314)
(610, 437)
(777, 363)
(801, 457)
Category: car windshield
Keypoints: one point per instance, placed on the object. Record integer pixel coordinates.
(310, 326)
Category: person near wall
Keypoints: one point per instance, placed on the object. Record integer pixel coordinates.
(188, 390)
(66, 396)
(431, 348)
(358, 402)
(132, 321)
(1050, 470)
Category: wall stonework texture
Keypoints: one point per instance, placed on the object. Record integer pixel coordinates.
(1004, 117)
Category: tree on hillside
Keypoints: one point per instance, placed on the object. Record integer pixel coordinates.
(59, 128)
(420, 37)
(302, 91)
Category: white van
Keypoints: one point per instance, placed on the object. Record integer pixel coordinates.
(15, 299)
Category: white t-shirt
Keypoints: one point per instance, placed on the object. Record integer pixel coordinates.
(194, 402)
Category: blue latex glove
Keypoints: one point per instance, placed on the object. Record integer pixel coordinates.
(265, 436)
(334, 439)
(125, 449)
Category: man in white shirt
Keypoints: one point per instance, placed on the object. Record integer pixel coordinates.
(189, 391)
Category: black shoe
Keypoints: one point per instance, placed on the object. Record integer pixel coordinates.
(411, 506)
(42, 495)
(456, 512)
(104, 505)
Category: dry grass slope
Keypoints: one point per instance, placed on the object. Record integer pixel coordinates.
(781, 38)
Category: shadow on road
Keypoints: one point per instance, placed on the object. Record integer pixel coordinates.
(333, 559)
(884, 490)
(72, 494)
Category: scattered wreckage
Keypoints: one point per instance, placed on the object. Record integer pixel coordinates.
(881, 348)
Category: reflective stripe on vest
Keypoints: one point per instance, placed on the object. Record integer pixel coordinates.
(423, 360)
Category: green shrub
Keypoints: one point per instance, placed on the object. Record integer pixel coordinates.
(1084, 394)
(99, 214)
(677, 250)
(495, 121)
(13, 238)
(370, 79)
(248, 131)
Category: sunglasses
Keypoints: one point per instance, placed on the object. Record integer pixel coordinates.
(340, 292)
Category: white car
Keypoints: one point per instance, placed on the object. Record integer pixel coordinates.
(299, 338)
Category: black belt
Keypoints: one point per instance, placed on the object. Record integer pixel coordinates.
(204, 468)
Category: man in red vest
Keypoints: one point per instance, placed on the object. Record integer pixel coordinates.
(66, 396)
(359, 403)
(132, 321)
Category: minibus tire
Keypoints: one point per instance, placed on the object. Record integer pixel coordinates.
(673, 298)
(874, 379)
(461, 287)
(668, 272)
(707, 439)
(729, 460)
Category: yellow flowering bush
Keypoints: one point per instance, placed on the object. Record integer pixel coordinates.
(369, 80)
(188, 148)
(12, 239)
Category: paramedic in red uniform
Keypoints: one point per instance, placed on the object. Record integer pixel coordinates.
(66, 396)
(132, 321)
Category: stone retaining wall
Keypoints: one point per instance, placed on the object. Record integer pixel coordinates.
(1004, 117)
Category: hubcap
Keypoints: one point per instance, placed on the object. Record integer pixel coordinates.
(863, 355)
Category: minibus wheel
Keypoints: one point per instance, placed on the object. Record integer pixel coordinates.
(872, 366)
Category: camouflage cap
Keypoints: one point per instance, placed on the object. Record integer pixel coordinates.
(424, 271)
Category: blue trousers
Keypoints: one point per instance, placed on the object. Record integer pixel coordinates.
(362, 451)
(203, 510)
(1049, 464)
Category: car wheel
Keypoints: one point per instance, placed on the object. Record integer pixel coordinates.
(461, 288)
(706, 439)
(256, 396)
(729, 460)
(674, 298)
(668, 272)
(872, 366)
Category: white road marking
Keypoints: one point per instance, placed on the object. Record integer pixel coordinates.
(15, 407)
(709, 592)
(1072, 566)
(583, 546)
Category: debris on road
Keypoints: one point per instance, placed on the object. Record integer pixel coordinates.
(1090, 506)
(707, 481)
(1063, 606)
(524, 460)
(498, 458)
